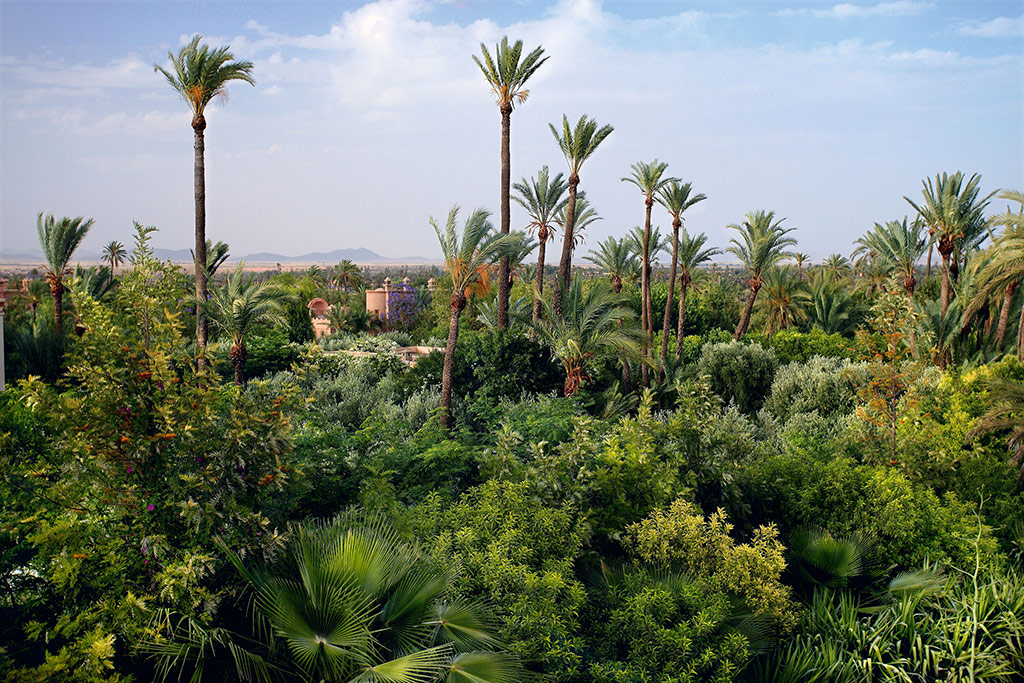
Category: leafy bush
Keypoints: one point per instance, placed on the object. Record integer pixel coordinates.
(682, 539)
(151, 458)
(825, 385)
(739, 372)
(910, 522)
(496, 364)
(792, 345)
(517, 555)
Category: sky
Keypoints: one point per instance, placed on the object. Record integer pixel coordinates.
(369, 118)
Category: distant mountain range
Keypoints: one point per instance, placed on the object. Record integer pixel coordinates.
(360, 255)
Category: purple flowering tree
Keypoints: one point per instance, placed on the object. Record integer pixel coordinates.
(404, 304)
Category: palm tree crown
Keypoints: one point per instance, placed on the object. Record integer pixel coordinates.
(579, 142)
(785, 299)
(201, 74)
(59, 240)
(347, 276)
(508, 71)
(900, 245)
(353, 601)
(954, 214)
(114, 253)
(615, 258)
(762, 244)
(239, 306)
(542, 197)
(588, 329)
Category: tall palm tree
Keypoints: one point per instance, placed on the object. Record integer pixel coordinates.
(691, 254)
(114, 254)
(507, 73)
(59, 240)
(465, 257)
(542, 197)
(239, 306)
(649, 178)
(347, 276)
(199, 74)
(953, 212)
(577, 144)
(761, 245)
(592, 326)
(676, 197)
(785, 299)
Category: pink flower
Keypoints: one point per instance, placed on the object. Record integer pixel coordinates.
(151, 507)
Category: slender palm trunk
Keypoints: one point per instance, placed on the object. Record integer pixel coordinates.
(504, 281)
(58, 311)
(1004, 315)
(457, 304)
(741, 329)
(199, 125)
(565, 265)
(668, 302)
(645, 290)
(538, 283)
(683, 281)
(931, 247)
(944, 292)
(238, 356)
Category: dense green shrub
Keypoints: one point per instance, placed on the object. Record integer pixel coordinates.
(825, 385)
(739, 373)
(300, 327)
(517, 555)
(793, 345)
(910, 522)
(496, 364)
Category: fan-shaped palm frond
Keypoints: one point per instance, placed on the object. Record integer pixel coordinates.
(354, 602)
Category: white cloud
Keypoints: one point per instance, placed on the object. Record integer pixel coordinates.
(845, 10)
(1001, 27)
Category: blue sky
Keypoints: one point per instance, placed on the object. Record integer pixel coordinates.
(368, 118)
